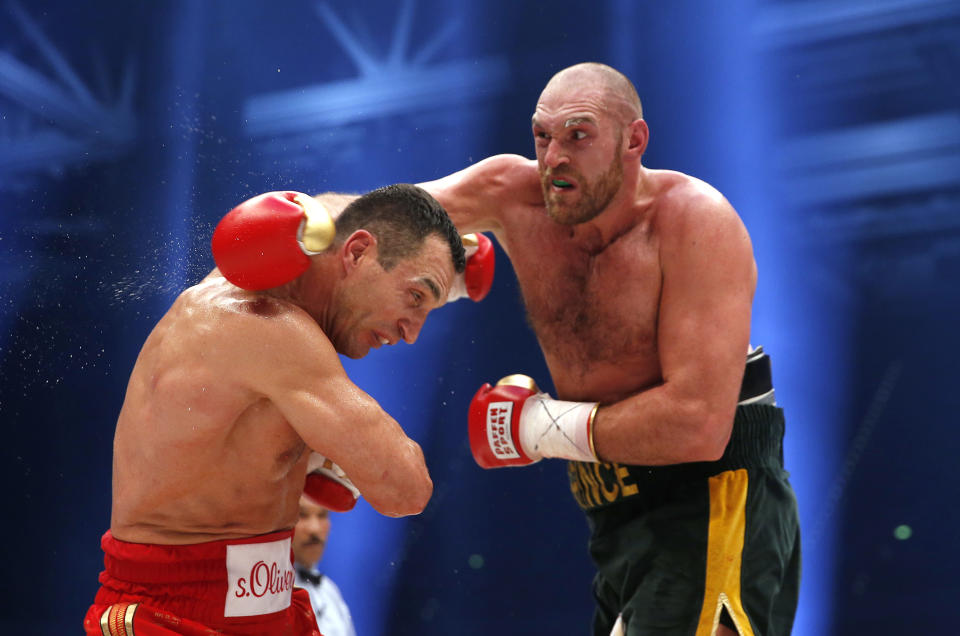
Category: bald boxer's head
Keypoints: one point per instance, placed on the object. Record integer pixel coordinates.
(618, 95)
(585, 120)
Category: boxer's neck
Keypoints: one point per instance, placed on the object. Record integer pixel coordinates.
(312, 291)
(630, 205)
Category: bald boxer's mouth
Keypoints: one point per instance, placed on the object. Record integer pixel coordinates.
(561, 183)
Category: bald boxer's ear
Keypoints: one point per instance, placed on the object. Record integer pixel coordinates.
(359, 246)
(637, 137)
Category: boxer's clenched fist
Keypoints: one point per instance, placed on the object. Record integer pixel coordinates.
(513, 424)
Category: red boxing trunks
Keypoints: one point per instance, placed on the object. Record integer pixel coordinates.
(235, 586)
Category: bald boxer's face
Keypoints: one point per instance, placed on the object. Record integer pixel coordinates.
(578, 153)
(310, 533)
(383, 307)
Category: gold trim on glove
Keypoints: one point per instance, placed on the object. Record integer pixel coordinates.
(317, 230)
(590, 429)
(520, 380)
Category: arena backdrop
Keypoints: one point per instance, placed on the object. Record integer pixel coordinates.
(128, 128)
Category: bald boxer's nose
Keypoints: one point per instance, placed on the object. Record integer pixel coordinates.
(554, 155)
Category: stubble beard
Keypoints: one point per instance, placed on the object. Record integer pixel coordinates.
(594, 197)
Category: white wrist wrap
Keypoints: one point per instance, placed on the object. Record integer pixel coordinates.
(555, 428)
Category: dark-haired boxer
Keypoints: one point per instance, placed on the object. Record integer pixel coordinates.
(236, 385)
(639, 285)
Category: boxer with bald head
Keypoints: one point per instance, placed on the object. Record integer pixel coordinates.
(232, 392)
(639, 283)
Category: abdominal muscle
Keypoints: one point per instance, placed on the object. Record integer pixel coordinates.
(595, 314)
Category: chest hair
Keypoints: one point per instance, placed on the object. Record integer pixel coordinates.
(589, 307)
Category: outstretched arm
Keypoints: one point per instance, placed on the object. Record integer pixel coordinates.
(335, 202)
(478, 197)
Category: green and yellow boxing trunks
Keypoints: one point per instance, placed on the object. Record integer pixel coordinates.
(680, 548)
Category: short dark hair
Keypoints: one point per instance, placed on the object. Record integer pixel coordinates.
(401, 216)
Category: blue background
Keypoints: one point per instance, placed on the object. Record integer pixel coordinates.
(128, 128)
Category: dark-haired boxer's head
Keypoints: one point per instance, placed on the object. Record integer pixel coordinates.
(374, 306)
(400, 216)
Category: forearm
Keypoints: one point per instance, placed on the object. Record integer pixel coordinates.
(462, 210)
(477, 196)
(403, 485)
(662, 426)
(513, 424)
(335, 202)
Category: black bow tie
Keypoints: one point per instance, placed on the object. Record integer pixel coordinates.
(309, 576)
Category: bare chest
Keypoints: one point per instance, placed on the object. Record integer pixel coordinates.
(592, 311)
(185, 414)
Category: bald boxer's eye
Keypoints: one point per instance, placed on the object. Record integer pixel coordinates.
(579, 134)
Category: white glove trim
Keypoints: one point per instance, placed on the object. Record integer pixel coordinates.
(458, 289)
(320, 464)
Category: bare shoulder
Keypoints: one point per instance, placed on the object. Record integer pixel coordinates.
(690, 209)
(252, 335)
(688, 196)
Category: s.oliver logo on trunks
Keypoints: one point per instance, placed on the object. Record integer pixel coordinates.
(499, 435)
(260, 578)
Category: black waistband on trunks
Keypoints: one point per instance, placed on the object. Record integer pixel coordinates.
(756, 441)
(757, 383)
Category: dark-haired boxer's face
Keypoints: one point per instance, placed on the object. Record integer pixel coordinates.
(578, 155)
(310, 533)
(380, 307)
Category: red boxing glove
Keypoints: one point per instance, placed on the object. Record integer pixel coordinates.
(477, 278)
(513, 424)
(328, 485)
(266, 241)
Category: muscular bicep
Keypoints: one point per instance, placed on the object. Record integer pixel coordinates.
(709, 278)
(478, 197)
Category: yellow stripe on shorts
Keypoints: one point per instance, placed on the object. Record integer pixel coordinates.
(728, 498)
